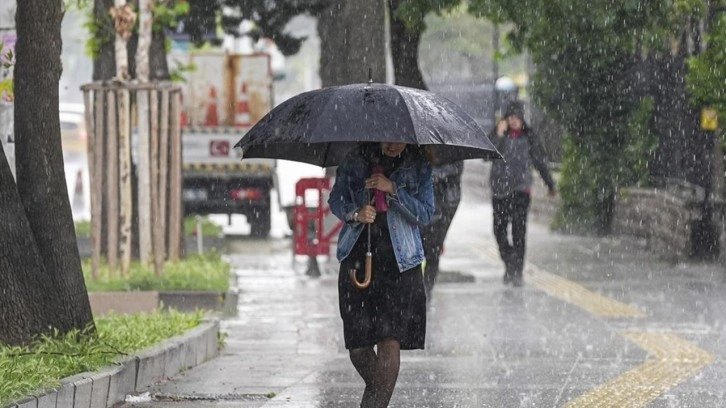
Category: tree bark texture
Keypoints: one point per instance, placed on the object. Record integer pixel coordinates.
(63, 300)
(158, 66)
(121, 55)
(24, 279)
(144, 170)
(353, 42)
(104, 65)
(404, 51)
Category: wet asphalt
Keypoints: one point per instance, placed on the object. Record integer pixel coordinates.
(600, 322)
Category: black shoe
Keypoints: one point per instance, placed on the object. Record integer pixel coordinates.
(518, 281)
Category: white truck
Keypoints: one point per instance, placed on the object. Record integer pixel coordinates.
(223, 96)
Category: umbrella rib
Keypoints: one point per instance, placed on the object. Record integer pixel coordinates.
(409, 117)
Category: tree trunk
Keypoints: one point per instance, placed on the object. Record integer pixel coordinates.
(126, 209)
(404, 51)
(47, 273)
(104, 66)
(158, 66)
(120, 50)
(353, 42)
(349, 48)
(142, 74)
(24, 278)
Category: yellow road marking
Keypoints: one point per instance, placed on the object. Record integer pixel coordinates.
(578, 295)
(673, 360)
(572, 292)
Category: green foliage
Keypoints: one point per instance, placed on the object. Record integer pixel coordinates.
(7, 61)
(706, 75)
(586, 58)
(41, 366)
(270, 19)
(179, 73)
(78, 4)
(168, 14)
(101, 32)
(413, 12)
(578, 211)
(592, 175)
(209, 229)
(206, 272)
(83, 228)
(639, 148)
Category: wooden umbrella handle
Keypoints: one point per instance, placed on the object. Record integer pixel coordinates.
(368, 276)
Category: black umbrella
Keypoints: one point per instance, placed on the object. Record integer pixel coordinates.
(321, 126)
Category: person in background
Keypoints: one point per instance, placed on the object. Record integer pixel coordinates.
(511, 184)
(383, 189)
(447, 195)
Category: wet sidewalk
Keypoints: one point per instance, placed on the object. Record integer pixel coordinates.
(599, 322)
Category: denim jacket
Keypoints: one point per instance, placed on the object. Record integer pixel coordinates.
(411, 207)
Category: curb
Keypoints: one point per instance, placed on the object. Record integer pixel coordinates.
(137, 373)
(123, 302)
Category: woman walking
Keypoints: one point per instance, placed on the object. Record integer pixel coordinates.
(511, 182)
(386, 190)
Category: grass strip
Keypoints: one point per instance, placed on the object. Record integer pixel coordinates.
(197, 272)
(42, 365)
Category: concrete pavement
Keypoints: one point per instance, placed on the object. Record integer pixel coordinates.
(600, 322)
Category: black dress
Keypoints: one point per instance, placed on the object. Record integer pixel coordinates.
(394, 305)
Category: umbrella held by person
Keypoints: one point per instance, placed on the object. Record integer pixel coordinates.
(377, 135)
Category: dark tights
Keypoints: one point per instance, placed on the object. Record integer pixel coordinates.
(511, 210)
(379, 370)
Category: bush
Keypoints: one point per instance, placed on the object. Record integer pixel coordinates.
(83, 229)
(205, 272)
(41, 366)
(209, 229)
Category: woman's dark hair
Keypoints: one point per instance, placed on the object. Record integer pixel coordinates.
(372, 151)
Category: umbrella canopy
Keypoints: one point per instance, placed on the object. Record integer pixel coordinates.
(321, 126)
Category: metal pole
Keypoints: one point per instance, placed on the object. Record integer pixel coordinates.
(200, 239)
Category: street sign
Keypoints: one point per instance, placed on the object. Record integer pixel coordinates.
(219, 148)
(709, 119)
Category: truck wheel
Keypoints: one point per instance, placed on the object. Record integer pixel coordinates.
(260, 223)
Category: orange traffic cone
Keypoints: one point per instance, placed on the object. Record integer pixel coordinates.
(242, 113)
(212, 118)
